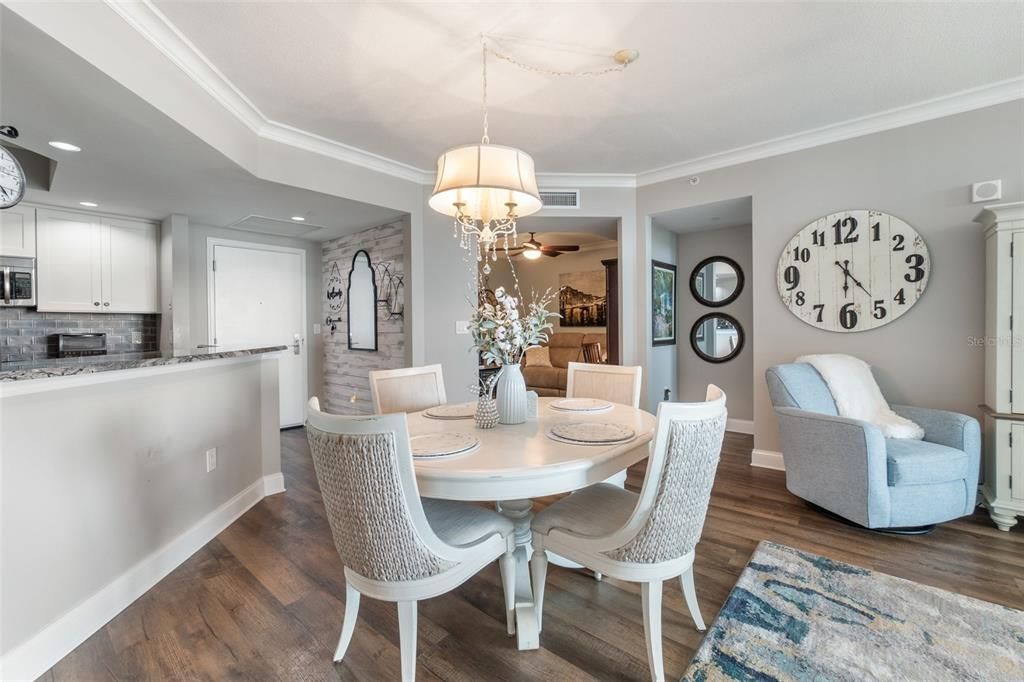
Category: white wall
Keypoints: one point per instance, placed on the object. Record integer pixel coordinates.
(921, 173)
(663, 360)
(735, 377)
(96, 511)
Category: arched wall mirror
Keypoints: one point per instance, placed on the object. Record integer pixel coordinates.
(717, 337)
(362, 304)
(716, 281)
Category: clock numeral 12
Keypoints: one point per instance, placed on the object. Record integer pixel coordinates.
(850, 237)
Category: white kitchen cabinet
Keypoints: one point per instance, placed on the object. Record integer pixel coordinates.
(1003, 488)
(18, 231)
(91, 263)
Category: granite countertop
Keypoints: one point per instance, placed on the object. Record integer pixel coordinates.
(43, 369)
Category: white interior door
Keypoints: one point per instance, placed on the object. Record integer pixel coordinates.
(258, 298)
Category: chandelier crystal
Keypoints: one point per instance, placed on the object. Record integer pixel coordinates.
(486, 188)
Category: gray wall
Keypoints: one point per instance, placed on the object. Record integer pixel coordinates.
(921, 173)
(735, 377)
(662, 365)
(346, 372)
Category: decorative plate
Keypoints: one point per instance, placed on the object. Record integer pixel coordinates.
(592, 432)
(581, 405)
(442, 444)
(456, 411)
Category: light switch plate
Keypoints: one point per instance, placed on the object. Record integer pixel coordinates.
(316, 329)
(462, 326)
(211, 459)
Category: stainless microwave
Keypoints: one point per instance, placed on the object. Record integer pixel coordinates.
(19, 281)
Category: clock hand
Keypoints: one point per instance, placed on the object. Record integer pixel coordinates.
(846, 276)
(855, 280)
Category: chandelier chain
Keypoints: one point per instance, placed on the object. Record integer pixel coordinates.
(483, 44)
(504, 56)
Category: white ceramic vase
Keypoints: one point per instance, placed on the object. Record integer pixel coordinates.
(511, 395)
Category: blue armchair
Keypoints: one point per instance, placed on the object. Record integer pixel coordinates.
(848, 468)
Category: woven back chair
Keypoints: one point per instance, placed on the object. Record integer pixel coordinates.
(614, 383)
(393, 545)
(650, 537)
(409, 389)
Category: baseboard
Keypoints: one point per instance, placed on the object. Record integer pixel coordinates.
(34, 657)
(767, 459)
(740, 426)
(273, 484)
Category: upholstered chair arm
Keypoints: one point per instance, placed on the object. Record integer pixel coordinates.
(951, 429)
(836, 463)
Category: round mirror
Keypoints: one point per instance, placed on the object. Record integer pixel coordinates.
(716, 281)
(717, 337)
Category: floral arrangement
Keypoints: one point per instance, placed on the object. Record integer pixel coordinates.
(502, 334)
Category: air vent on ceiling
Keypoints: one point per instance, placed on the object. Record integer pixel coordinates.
(264, 225)
(560, 198)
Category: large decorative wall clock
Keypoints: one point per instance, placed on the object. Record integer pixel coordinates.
(12, 180)
(853, 271)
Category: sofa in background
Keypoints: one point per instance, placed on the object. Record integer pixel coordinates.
(565, 347)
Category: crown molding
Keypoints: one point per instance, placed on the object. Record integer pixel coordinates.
(153, 25)
(983, 96)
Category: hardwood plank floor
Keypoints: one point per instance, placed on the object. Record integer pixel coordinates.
(263, 601)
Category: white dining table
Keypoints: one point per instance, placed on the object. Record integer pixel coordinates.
(516, 463)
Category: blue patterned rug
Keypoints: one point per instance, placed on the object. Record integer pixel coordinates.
(799, 616)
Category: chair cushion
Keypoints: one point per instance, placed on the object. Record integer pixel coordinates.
(546, 377)
(598, 510)
(799, 385)
(463, 523)
(913, 462)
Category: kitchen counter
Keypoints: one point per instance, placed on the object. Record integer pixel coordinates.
(44, 369)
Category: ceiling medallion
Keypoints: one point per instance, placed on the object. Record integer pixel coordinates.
(488, 187)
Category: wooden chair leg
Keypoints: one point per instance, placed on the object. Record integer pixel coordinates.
(651, 594)
(690, 592)
(507, 564)
(348, 626)
(407, 639)
(539, 575)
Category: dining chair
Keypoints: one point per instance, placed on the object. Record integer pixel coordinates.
(409, 389)
(650, 537)
(614, 383)
(394, 545)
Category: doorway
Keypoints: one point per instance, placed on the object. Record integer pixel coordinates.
(257, 299)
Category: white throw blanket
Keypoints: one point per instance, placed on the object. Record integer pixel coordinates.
(857, 395)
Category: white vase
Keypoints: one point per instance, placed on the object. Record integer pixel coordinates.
(511, 395)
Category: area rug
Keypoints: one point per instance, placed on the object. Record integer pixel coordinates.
(799, 616)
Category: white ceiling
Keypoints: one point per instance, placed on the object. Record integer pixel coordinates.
(713, 216)
(402, 80)
(134, 160)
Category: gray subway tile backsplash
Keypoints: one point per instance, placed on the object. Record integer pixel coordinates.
(25, 332)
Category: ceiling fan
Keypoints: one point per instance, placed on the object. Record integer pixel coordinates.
(533, 249)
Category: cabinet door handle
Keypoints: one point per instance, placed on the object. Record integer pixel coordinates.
(95, 302)
(107, 303)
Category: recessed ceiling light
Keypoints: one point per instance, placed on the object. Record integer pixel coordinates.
(65, 146)
(90, 204)
(298, 217)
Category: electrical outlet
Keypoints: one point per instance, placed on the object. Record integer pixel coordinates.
(462, 326)
(211, 459)
(136, 337)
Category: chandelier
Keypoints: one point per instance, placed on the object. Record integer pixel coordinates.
(486, 188)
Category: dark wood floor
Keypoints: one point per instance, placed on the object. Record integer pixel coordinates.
(264, 599)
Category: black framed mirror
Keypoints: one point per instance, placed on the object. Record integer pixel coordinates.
(716, 281)
(717, 337)
(362, 303)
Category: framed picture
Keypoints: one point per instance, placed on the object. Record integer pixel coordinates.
(663, 303)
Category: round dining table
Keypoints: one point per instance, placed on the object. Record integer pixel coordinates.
(516, 463)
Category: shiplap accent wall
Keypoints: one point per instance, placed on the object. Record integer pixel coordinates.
(346, 372)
